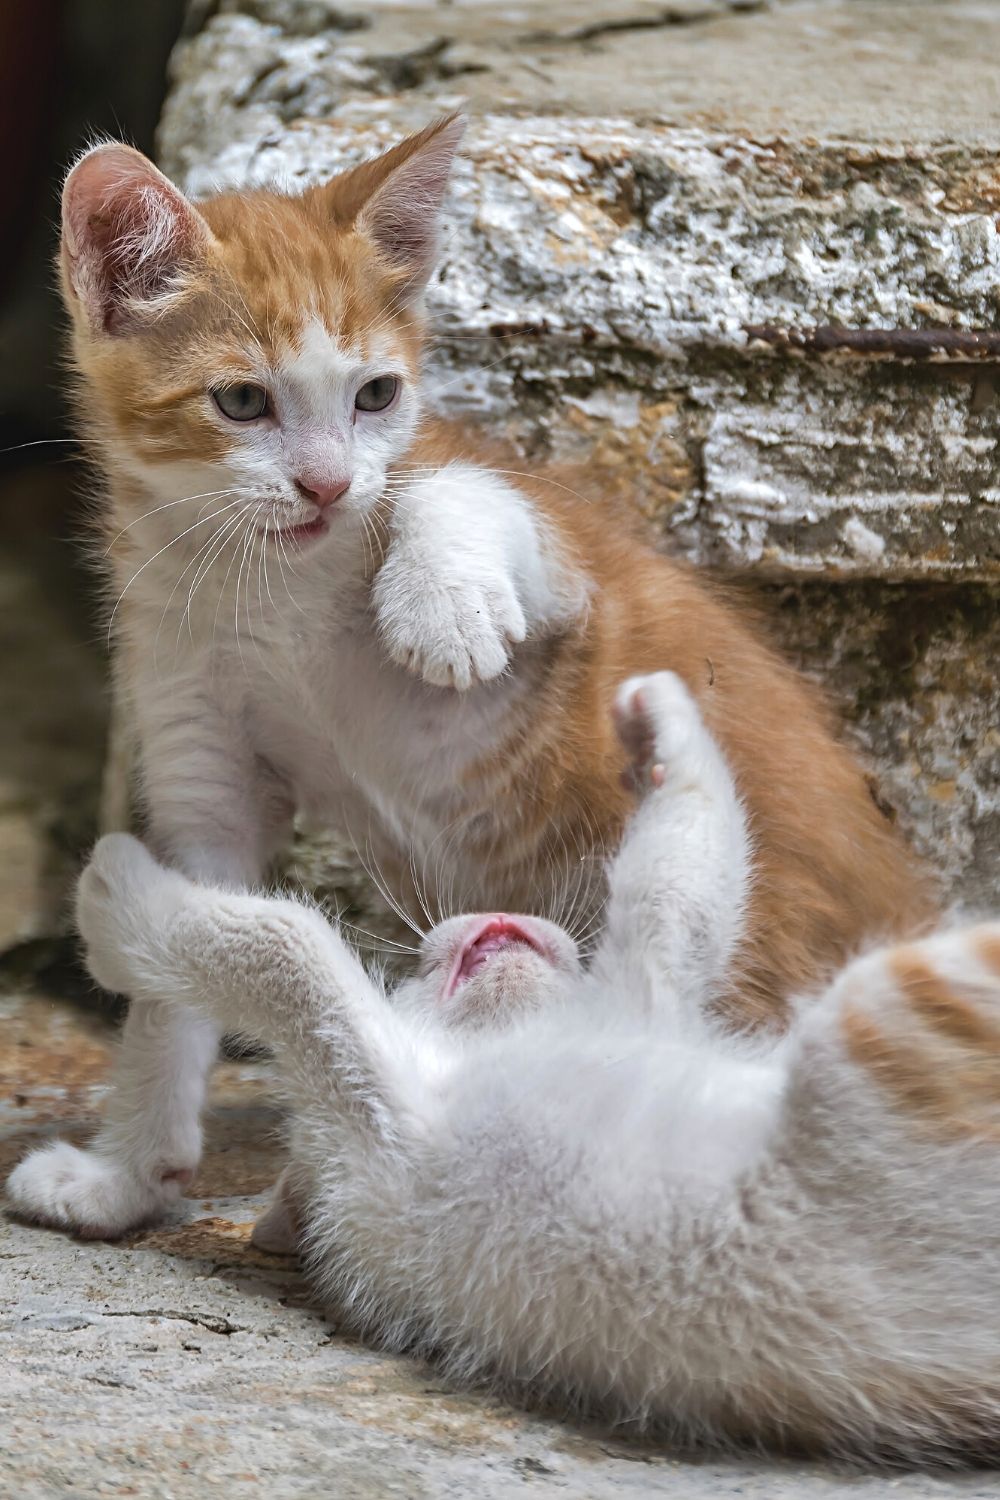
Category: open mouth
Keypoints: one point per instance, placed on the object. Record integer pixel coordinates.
(495, 935)
(303, 533)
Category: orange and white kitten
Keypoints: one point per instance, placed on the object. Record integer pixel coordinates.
(323, 603)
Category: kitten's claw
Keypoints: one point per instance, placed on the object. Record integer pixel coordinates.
(452, 636)
(658, 724)
(91, 1193)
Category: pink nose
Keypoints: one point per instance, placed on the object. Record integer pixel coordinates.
(320, 492)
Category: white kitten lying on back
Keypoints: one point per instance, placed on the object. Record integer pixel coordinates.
(571, 1184)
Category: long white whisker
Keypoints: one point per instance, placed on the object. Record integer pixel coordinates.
(368, 542)
(236, 288)
(37, 443)
(205, 546)
(375, 938)
(267, 582)
(417, 891)
(220, 538)
(254, 337)
(258, 540)
(222, 586)
(382, 886)
(247, 544)
(288, 560)
(165, 548)
(540, 478)
(283, 562)
(169, 505)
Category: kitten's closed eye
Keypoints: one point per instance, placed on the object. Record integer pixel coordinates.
(242, 403)
(377, 394)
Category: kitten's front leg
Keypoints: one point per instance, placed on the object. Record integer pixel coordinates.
(271, 968)
(209, 815)
(679, 882)
(468, 575)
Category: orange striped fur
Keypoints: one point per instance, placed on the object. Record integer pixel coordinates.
(935, 1048)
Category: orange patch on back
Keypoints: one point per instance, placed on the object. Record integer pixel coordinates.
(939, 1005)
(987, 948)
(933, 1051)
(903, 1070)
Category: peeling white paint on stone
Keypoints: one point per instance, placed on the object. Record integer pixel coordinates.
(862, 540)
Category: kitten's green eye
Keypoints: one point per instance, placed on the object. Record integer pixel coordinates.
(377, 394)
(241, 403)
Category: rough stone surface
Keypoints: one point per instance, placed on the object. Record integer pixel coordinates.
(684, 184)
(916, 668)
(642, 185)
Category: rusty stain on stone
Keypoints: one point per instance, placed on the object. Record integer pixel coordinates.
(631, 455)
(949, 345)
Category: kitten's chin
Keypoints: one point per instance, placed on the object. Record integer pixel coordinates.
(513, 980)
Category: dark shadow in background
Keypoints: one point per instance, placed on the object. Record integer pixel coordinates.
(69, 70)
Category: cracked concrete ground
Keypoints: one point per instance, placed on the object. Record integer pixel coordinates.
(181, 1361)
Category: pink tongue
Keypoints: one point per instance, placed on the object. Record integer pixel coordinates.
(482, 951)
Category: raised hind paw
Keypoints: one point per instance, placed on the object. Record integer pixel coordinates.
(660, 728)
(93, 1194)
(124, 901)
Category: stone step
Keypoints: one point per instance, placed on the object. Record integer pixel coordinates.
(740, 261)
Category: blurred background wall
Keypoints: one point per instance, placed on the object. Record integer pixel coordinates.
(69, 69)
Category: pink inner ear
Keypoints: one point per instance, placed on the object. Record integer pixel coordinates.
(403, 214)
(126, 232)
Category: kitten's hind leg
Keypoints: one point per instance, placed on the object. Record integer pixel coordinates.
(678, 884)
(149, 1145)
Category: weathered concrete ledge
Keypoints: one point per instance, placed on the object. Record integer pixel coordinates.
(615, 287)
(665, 219)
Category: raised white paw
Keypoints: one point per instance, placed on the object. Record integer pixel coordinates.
(452, 633)
(124, 901)
(659, 726)
(90, 1193)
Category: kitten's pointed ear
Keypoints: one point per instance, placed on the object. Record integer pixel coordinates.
(396, 199)
(126, 232)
